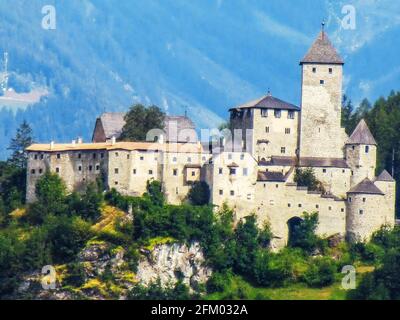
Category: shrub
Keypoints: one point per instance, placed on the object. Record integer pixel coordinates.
(306, 178)
(199, 194)
(303, 234)
(321, 272)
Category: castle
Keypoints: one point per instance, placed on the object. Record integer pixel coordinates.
(255, 172)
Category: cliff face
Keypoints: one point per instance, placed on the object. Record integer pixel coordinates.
(173, 262)
(106, 273)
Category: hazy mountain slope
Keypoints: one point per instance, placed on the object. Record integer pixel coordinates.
(203, 55)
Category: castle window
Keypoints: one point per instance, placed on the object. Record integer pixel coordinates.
(175, 172)
(102, 155)
(287, 130)
(330, 70)
(116, 183)
(79, 168)
(277, 186)
(324, 170)
(58, 156)
(35, 157)
(177, 190)
(277, 113)
(40, 171)
(245, 172)
(41, 156)
(57, 170)
(343, 171)
(221, 192)
(90, 168)
(364, 199)
(116, 170)
(330, 208)
(300, 205)
(127, 156)
(150, 172)
(317, 206)
(321, 81)
(189, 159)
(361, 211)
(220, 171)
(97, 168)
(290, 115)
(353, 147)
(232, 171)
(33, 171)
(116, 154)
(264, 113)
(232, 193)
(249, 196)
(289, 205)
(174, 159)
(314, 70)
(265, 185)
(193, 173)
(242, 156)
(267, 129)
(94, 156)
(134, 171)
(366, 149)
(141, 158)
(283, 150)
(349, 199)
(79, 155)
(342, 210)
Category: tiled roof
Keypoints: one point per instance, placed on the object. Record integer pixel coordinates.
(362, 135)
(279, 161)
(130, 146)
(385, 176)
(323, 162)
(366, 186)
(270, 176)
(268, 102)
(113, 122)
(322, 51)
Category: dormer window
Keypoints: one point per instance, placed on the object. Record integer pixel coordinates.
(314, 70)
(290, 115)
(366, 149)
(277, 113)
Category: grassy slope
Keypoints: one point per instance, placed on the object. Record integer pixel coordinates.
(296, 291)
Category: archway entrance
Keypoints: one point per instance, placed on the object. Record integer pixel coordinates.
(293, 227)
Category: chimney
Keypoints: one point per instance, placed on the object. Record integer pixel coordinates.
(161, 139)
(113, 140)
(80, 141)
(73, 142)
(51, 145)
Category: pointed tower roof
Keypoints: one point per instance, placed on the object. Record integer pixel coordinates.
(362, 135)
(385, 176)
(322, 51)
(366, 187)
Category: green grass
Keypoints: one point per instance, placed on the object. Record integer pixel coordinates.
(241, 289)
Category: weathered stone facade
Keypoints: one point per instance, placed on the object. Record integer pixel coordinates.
(255, 174)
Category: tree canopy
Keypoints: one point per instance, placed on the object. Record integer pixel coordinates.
(140, 120)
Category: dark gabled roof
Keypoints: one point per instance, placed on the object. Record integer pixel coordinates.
(270, 176)
(322, 51)
(267, 102)
(113, 122)
(385, 176)
(279, 161)
(362, 135)
(323, 162)
(366, 186)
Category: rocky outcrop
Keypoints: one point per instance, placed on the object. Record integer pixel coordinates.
(173, 262)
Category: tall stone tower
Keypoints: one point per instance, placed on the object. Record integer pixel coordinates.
(321, 134)
(361, 153)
